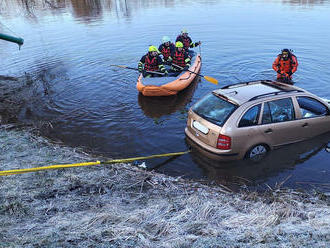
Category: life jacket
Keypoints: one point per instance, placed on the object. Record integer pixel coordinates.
(178, 58)
(185, 41)
(166, 51)
(151, 64)
(287, 65)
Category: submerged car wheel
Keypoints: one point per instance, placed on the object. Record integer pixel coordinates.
(327, 148)
(257, 153)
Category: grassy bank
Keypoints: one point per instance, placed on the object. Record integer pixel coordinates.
(123, 206)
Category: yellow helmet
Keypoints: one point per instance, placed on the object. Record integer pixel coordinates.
(184, 31)
(178, 44)
(153, 49)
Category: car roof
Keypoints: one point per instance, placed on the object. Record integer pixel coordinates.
(253, 90)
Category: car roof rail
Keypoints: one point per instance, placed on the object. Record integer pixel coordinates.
(246, 83)
(274, 94)
(278, 85)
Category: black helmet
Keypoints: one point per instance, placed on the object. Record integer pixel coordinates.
(285, 54)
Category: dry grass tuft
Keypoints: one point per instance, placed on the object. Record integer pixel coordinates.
(13, 207)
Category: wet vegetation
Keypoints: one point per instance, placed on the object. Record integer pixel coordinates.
(18, 94)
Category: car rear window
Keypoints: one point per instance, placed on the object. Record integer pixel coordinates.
(214, 109)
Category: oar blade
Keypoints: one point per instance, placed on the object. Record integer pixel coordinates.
(211, 80)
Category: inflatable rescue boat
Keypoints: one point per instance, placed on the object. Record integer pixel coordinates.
(166, 86)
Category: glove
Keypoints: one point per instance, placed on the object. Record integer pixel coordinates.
(197, 43)
(279, 71)
(186, 68)
(290, 73)
(166, 73)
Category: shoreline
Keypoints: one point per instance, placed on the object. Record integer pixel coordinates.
(123, 206)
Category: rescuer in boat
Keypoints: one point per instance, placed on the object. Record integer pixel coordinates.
(285, 65)
(151, 64)
(186, 40)
(179, 58)
(166, 48)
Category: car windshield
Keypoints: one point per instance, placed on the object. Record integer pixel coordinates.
(214, 109)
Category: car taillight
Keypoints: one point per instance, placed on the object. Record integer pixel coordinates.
(224, 142)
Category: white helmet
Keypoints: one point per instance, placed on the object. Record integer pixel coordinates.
(166, 39)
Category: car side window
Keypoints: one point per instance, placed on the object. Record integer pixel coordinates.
(278, 111)
(250, 118)
(310, 107)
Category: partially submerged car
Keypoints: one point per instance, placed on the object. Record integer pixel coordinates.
(246, 120)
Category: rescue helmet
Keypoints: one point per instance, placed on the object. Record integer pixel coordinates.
(178, 44)
(166, 39)
(153, 49)
(184, 31)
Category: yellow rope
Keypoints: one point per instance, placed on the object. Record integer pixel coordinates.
(61, 166)
(51, 167)
(147, 157)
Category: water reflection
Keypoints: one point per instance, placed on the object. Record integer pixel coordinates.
(277, 164)
(305, 2)
(87, 9)
(56, 4)
(155, 107)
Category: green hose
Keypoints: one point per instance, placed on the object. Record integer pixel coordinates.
(16, 40)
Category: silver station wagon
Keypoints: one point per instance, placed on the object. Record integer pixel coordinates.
(247, 120)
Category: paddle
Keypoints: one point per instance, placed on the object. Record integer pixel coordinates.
(207, 78)
(132, 68)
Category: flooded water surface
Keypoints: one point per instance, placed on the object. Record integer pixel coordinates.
(70, 45)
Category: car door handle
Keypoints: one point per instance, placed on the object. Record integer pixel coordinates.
(305, 124)
(269, 130)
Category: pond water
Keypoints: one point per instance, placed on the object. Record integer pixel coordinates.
(70, 44)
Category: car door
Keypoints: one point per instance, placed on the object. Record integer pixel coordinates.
(247, 132)
(279, 123)
(315, 116)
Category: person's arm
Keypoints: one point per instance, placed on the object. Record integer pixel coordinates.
(187, 61)
(192, 44)
(276, 65)
(161, 66)
(170, 59)
(294, 64)
(141, 63)
(172, 47)
(160, 48)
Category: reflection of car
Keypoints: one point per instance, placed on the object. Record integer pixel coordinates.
(278, 165)
(248, 119)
